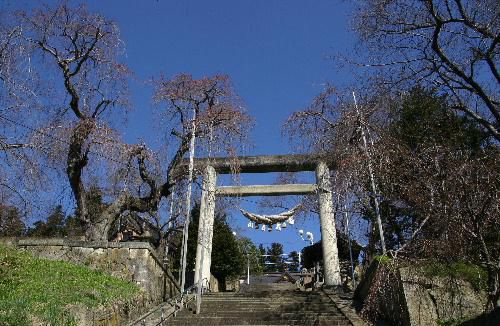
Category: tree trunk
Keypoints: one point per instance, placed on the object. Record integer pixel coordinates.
(493, 286)
(98, 227)
(97, 231)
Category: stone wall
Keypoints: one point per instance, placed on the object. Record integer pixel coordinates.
(440, 299)
(134, 262)
(405, 297)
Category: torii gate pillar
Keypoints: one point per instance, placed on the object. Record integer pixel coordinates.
(331, 272)
(206, 226)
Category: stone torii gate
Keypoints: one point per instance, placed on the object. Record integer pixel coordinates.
(263, 164)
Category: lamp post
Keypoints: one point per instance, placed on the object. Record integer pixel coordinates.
(248, 268)
(300, 260)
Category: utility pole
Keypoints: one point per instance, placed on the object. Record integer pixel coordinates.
(188, 202)
(348, 232)
(372, 177)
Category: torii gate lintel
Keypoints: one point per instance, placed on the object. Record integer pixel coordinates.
(258, 164)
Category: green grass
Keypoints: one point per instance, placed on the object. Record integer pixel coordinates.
(34, 288)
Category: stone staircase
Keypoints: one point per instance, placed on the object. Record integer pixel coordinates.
(263, 304)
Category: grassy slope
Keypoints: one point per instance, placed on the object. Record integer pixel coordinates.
(32, 287)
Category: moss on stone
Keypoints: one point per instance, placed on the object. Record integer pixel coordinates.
(383, 259)
(475, 275)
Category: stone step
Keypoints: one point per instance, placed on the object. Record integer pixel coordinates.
(267, 323)
(258, 299)
(264, 295)
(267, 297)
(265, 305)
(277, 306)
(263, 298)
(283, 298)
(264, 302)
(224, 320)
(259, 315)
(280, 300)
(277, 301)
(267, 309)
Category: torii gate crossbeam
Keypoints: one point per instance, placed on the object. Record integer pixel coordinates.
(266, 190)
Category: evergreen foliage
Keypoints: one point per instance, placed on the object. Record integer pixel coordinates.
(248, 247)
(275, 261)
(424, 118)
(56, 225)
(228, 261)
(11, 223)
(294, 260)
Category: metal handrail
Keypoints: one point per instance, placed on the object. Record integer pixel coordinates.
(189, 290)
(178, 302)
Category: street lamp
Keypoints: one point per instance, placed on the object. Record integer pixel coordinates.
(309, 236)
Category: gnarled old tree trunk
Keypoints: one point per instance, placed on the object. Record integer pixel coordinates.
(98, 227)
(76, 162)
(98, 231)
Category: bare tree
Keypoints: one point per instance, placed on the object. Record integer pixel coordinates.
(331, 127)
(80, 52)
(436, 172)
(452, 45)
(19, 170)
(82, 96)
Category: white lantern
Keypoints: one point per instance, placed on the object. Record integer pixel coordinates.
(283, 225)
(278, 227)
(250, 224)
(263, 227)
(291, 221)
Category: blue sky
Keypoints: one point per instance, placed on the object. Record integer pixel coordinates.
(275, 51)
